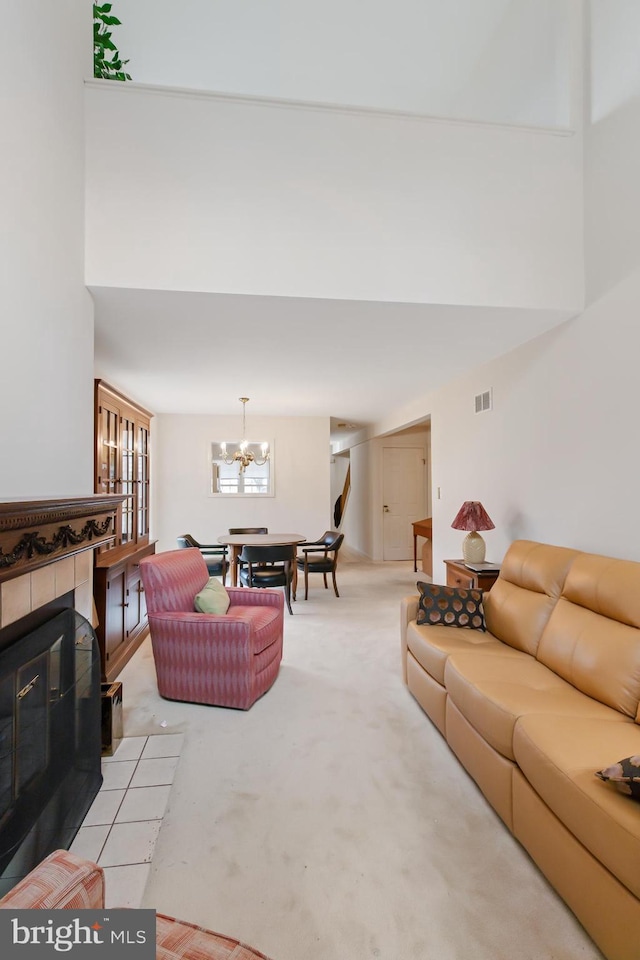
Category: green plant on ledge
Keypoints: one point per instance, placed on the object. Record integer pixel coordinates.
(107, 62)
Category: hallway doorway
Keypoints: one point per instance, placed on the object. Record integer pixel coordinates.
(403, 499)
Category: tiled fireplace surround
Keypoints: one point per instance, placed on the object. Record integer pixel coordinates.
(122, 825)
(30, 591)
(46, 566)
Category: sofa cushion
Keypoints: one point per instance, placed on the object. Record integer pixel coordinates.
(450, 606)
(624, 776)
(494, 692)
(433, 645)
(558, 755)
(593, 635)
(213, 598)
(518, 606)
(607, 586)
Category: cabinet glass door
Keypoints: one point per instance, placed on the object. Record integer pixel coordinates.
(122, 466)
(127, 446)
(143, 481)
(108, 453)
(32, 720)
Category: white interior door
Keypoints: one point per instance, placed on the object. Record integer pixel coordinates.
(403, 498)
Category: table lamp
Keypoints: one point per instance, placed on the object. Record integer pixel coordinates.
(472, 516)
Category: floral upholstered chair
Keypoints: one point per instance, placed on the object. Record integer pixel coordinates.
(225, 659)
(64, 881)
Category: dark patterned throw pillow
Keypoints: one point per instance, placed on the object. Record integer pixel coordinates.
(450, 606)
(624, 775)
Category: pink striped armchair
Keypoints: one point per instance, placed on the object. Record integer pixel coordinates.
(226, 661)
(64, 881)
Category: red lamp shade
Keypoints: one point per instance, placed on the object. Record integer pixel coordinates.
(472, 516)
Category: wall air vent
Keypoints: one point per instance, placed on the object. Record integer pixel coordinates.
(484, 401)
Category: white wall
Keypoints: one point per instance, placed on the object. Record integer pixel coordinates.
(501, 60)
(219, 195)
(46, 315)
(181, 465)
(553, 460)
(557, 459)
(612, 146)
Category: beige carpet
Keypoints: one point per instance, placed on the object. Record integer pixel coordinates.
(331, 821)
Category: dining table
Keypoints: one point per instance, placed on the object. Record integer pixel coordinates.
(238, 540)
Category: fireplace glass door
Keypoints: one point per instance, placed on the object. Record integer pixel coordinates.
(32, 721)
(50, 741)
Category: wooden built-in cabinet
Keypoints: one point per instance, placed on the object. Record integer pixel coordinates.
(121, 607)
(122, 436)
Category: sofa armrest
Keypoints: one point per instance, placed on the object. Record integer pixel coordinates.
(254, 597)
(408, 612)
(62, 881)
(193, 617)
(208, 634)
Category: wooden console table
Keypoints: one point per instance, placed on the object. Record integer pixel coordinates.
(421, 528)
(460, 576)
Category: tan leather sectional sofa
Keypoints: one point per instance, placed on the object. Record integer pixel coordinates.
(535, 706)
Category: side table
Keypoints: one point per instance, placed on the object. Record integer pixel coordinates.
(460, 576)
(421, 528)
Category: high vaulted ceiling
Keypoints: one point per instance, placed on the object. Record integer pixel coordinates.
(354, 361)
(198, 353)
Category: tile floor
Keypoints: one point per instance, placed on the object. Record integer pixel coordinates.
(123, 823)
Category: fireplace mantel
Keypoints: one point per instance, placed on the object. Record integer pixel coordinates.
(34, 533)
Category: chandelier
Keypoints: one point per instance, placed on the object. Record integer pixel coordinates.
(244, 455)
